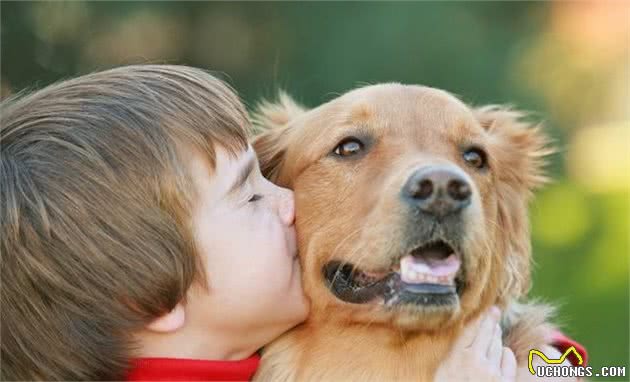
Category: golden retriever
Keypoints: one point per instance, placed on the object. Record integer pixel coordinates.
(411, 221)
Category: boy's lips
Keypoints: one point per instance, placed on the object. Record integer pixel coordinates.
(292, 249)
(291, 240)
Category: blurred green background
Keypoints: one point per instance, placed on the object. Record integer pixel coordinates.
(566, 61)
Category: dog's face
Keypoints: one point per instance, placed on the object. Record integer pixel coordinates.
(411, 206)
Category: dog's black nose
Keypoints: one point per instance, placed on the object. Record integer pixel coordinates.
(438, 191)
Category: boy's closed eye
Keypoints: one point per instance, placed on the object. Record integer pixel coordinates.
(255, 197)
(241, 186)
(244, 174)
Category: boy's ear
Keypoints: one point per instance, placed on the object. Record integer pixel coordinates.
(170, 321)
(272, 121)
(519, 149)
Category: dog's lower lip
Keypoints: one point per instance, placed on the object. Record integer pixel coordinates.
(429, 288)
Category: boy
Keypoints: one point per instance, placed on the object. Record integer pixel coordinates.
(120, 206)
(140, 240)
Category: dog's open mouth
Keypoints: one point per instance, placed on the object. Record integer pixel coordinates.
(430, 274)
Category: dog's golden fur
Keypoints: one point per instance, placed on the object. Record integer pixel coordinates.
(348, 210)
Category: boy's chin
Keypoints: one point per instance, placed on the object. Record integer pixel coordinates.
(294, 318)
(295, 309)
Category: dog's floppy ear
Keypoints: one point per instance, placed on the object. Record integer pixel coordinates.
(520, 146)
(271, 122)
(518, 150)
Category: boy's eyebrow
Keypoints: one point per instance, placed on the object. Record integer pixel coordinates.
(243, 174)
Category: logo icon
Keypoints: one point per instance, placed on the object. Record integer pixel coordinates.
(552, 361)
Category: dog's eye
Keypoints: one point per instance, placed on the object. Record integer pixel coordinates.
(476, 157)
(348, 146)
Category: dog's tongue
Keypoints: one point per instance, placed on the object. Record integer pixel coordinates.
(428, 269)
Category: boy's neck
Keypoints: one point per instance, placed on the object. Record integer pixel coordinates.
(187, 343)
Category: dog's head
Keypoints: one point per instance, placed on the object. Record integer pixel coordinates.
(411, 206)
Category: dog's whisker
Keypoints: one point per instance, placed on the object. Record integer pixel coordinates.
(334, 252)
(342, 242)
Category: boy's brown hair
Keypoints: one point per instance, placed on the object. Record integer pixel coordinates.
(95, 230)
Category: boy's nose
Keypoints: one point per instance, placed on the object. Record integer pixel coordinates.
(286, 207)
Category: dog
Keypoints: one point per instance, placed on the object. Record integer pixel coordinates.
(411, 216)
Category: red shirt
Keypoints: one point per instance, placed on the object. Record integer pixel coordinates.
(179, 369)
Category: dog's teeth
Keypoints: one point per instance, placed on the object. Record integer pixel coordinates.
(414, 272)
(422, 268)
(414, 277)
